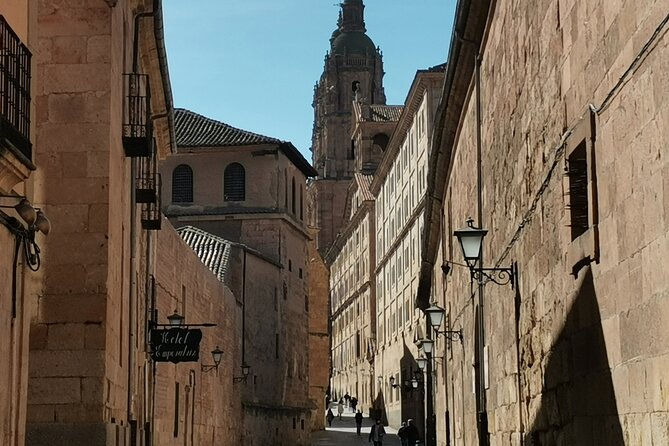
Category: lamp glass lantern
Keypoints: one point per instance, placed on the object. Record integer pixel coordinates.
(217, 355)
(436, 315)
(422, 362)
(175, 319)
(471, 240)
(426, 345)
(414, 383)
(246, 369)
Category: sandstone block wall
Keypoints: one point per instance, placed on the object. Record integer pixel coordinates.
(193, 407)
(574, 352)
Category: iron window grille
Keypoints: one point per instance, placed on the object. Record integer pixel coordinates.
(145, 182)
(14, 90)
(234, 183)
(151, 214)
(182, 184)
(137, 130)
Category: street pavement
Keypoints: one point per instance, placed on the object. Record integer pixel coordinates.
(342, 432)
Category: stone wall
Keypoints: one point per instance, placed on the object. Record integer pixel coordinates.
(79, 314)
(192, 406)
(576, 352)
(319, 333)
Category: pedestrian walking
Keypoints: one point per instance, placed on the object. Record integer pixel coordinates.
(412, 433)
(329, 417)
(402, 433)
(358, 422)
(354, 403)
(377, 433)
(340, 408)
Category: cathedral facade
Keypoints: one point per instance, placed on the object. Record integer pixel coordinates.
(353, 71)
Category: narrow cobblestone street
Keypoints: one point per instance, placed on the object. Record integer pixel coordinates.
(342, 432)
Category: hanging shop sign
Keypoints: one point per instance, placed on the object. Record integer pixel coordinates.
(176, 345)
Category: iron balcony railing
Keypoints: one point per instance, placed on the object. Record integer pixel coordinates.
(136, 115)
(14, 90)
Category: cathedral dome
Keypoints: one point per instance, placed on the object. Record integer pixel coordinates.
(353, 42)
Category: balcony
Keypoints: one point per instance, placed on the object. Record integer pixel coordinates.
(14, 93)
(146, 184)
(151, 214)
(136, 115)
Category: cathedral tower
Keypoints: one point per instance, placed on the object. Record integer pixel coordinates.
(353, 71)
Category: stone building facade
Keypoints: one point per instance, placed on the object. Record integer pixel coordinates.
(249, 190)
(570, 181)
(88, 363)
(399, 188)
(107, 273)
(18, 41)
(353, 69)
(374, 262)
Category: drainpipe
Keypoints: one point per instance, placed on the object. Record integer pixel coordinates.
(482, 416)
(132, 316)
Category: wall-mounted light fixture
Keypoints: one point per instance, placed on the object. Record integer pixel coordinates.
(436, 317)
(216, 355)
(246, 369)
(175, 319)
(471, 240)
(416, 381)
(392, 382)
(35, 220)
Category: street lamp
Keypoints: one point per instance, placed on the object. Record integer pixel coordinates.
(217, 355)
(35, 221)
(422, 362)
(471, 241)
(426, 345)
(436, 317)
(246, 369)
(175, 319)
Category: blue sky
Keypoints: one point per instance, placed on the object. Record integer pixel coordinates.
(253, 63)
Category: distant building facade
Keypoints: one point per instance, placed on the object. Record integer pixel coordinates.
(374, 262)
(249, 190)
(353, 69)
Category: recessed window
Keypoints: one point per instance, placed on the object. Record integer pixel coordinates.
(577, 171)
(182, 184)
(234, 182)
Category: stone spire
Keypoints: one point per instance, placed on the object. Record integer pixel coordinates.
(353, 18)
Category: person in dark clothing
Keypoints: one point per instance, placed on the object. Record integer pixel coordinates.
(402, 433)
(330, 416)
(354, 403)
(377, 433)
(411, 433)
(358, 422)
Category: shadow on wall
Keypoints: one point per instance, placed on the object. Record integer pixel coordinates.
(413, 406)
(378, 409)
(578, 405)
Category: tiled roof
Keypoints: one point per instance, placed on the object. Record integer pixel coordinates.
(212, 250)
(194, 130)
(386, 113)
(364, 182)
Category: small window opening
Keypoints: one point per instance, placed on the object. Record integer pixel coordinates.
(577, 172)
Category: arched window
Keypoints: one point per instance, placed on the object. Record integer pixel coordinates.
(301, 202)
(234, 183)
(381, 140)
(292, 196)
(182, 184)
